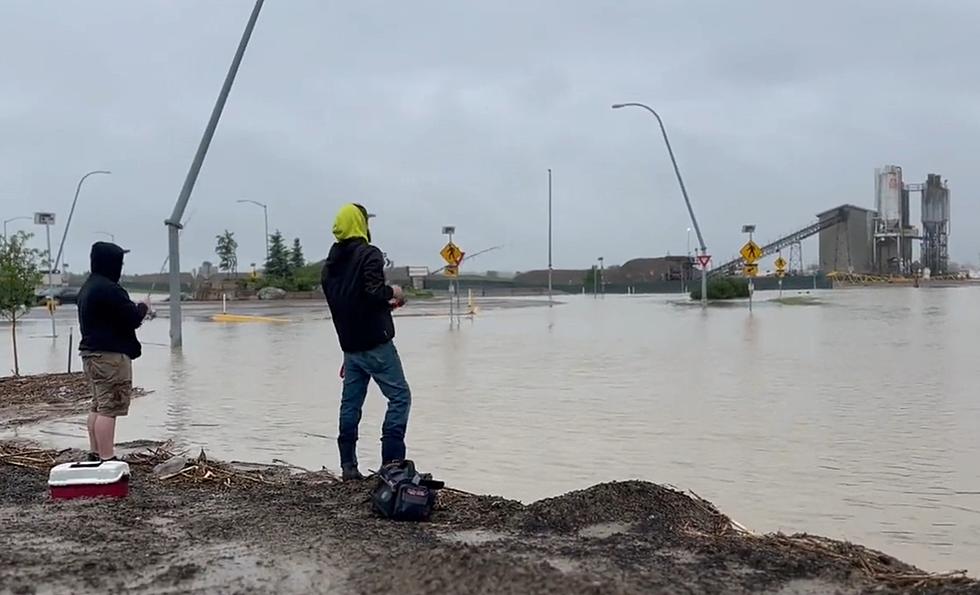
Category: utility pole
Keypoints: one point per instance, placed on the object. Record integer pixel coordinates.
(174, 224)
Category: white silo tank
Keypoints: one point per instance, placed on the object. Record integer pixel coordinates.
(888, 186)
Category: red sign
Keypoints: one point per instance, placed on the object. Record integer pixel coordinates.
(704, 260)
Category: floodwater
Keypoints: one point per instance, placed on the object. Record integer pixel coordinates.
(855, 418)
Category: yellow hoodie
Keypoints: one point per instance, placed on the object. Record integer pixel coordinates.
(350, 223)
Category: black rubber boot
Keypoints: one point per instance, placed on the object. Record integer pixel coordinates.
(351, 473)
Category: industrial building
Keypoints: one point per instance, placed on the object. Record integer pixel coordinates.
(846, 240)
(935, 226)
(861, 241)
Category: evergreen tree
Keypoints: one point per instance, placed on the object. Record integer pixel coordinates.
(296, 258)
(277, 265)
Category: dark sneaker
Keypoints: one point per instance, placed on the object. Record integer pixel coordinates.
(92, 457)
(351, 473)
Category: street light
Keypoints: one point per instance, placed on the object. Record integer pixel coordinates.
(111, 236)
(551, 267)
(265, 211)
(601, 277)
(6, 221)
(64, 236)
(687, 201)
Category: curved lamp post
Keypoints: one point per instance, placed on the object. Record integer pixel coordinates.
(64, 236)
(6, 221)
(687, 201)
(265, 210)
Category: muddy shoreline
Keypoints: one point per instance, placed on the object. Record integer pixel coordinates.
(208, 527)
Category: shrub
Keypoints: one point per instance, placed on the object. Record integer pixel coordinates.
(725, 288)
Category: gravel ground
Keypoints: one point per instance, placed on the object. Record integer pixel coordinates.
(307, 534)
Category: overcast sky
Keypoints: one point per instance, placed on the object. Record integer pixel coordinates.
(435, 113)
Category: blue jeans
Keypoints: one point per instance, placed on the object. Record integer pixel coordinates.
(383, 365)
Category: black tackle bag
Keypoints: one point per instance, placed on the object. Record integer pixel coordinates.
(404, 494)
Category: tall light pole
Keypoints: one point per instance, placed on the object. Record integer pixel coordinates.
(550, 264)
(64, 235)
(12, 219)
(111, 236)
(265, 210)
(602, 275)
(687, 201)
(173, 223)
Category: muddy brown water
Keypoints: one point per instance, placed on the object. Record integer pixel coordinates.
(854, 417)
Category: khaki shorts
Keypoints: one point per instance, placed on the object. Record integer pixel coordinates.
(111, 378)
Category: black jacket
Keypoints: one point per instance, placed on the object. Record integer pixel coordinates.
(353, 280)
(107, 317)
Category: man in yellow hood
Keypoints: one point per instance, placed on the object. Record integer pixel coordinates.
(360, 305)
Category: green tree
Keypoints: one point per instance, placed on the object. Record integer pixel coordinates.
(592, 280)
(277, 265)
(19, 279)
(296, 258)
(227, 252)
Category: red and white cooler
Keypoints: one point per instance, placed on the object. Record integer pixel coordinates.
(97, 479)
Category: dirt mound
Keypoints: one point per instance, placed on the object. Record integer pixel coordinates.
(211, 530)
(469, 570)
(624, 502)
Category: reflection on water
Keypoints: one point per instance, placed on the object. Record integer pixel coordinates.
(855, 419)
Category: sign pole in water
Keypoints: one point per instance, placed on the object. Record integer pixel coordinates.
(47, 220)
(751, 253)
(453, 255)
(780, 272)
(174, 224)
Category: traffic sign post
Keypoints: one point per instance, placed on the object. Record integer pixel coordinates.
(453, 256)
(704, 260)
(47, 220)
(751, 253)
(780, 272)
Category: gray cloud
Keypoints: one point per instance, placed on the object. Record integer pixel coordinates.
(436, 113)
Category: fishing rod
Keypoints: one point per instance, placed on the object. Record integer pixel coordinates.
(466, 258)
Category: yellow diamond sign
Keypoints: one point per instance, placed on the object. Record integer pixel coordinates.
(452, 254)
(780, 263)
(751, 252)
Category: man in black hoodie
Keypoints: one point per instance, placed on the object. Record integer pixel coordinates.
(108, 321)
(360, 305)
